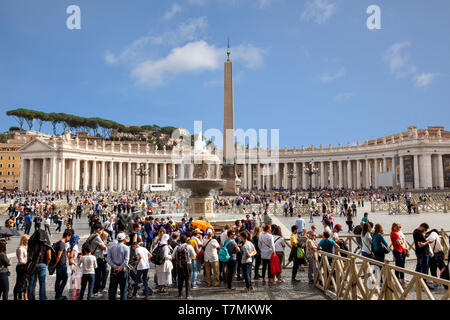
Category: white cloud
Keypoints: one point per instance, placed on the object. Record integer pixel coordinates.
(318, 11)
(194, 56)
(400, 66)
(398, 60)
(424, 79)
(249, 54)
(343, 96)
(187, 31)
(176, 8)
(328, 77)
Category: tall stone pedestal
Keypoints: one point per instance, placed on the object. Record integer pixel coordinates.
(229, 174)
(201, 207)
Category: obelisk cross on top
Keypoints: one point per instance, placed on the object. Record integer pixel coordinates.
(228, 112)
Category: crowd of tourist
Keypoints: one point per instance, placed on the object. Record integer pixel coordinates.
(127, 239)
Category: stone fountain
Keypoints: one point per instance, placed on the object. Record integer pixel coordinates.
(200, 203)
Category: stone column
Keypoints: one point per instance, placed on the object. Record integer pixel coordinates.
(440, 171)
(86, 175)
(164, 173)
(322, 174)
(250, 176)
(155, 173)
(31, 175)
(304, 182)
(416, 172)
(384, 164)
(295, 180)
(358, 174)
(285, 176)
(63, 174)
(244, 182)
(314, 177)
(77, 174)
(94, 175)
(44, 184)
(53, 174)
(217, 170)
(120, 177)
(138, 179)
(147, 175)
(277, 175)
(102, 176)
(191, 171)
(72, 174)
(258, 176)
(375, 172)
(428, 171)
(111, 176)
(331, 174)
(340, 183)
(182, 170)
(367, 176)
(23, 173)
(349, 174)
(402, 173)
(128, 176)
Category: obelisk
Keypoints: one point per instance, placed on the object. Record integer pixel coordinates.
(228, 166)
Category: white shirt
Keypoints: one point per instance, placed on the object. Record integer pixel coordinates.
(223, 237)
(266, 245)
(211, 247)
(436, 245)
(279, 243)
(143, 263)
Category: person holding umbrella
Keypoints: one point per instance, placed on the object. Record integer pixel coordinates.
(5, 262)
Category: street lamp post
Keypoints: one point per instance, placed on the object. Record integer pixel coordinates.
(292, 174)
(173, 176)
(311, 170)
(141, 172)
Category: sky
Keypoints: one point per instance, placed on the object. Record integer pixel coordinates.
(310, 68)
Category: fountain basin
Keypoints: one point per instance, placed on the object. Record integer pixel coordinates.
(200, 203)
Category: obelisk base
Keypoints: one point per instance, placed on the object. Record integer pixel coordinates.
(229, 174)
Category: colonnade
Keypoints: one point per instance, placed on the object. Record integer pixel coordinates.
(58, 174)
(409, 171)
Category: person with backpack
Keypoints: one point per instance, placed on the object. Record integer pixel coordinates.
(87, 264)
(96, 245)
(37, 222)
(437, 256)
(227, 254)
(163, 264)
(279, 248)
(60, 265)
(379, 244)
(183, 255)
(211, 257)
(118, 258)
(39, 255)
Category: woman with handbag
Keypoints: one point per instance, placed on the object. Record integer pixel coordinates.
(399, 252)
(279, 249)
(380, 246)
(267, 248)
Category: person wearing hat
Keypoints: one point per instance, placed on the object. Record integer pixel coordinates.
(118, 257)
